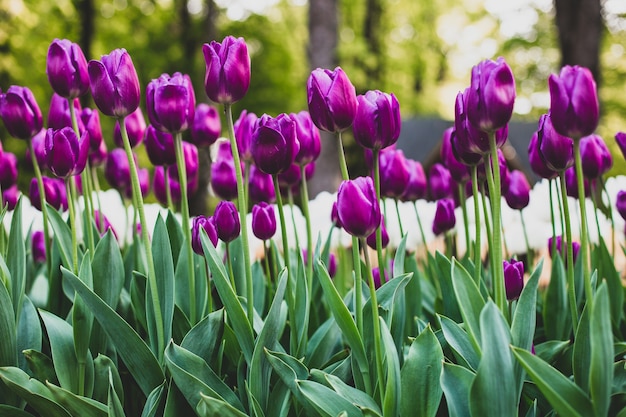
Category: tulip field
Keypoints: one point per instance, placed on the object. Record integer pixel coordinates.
(461, 291)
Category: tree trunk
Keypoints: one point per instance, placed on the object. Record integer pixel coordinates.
(322, 53)
(579, 23)
(373, 34)
(86, 11)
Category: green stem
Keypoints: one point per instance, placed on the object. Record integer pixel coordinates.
(611, 219)
(478, 265)
(494, 198)
(463, 199)
(208, 286)
(571, 289)
(292, 215)
(597, 221)
(553, 245)
(230, 267)
(168, 189)
(399, 217)
(584, 244)
(96, 184)
(138, 202)
(379, 237)
(421, 227)
(70, 205)
(487, 218)
(304, 192)
(529, 252)
(243, 211)
(184, 209)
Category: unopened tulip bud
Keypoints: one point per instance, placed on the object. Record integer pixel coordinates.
(513, 278)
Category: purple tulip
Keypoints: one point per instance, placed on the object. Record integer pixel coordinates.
(244, 131)
(439, 182)
(417, 186)
(8, 169)
(491, 95)
(10, 197)
(504, 172)
(573, 102)
(223, 175)
(192, 165)
(114, 84)
(376, 276)
(513, 278)
(91, 120)
(518, 195)
(371, 239)
(99, 156)
(571, 184)
(59, 113)
(556, 150)
(20, 112)
(458, 170)
(308, 137)
(226, 219)
(38, 145)
(463, 150)
(54, 192)
(206, 127)
(332, 265)
(227, 70)
(117, 170)
(261, 186)
(171, 102)
(470, 138)
(158, 182)
(620, 138)
(159, 146)
(537, 164)
(274, 143)
(620, 204)
(290, 178)
(445, 218)
(357, 207)
(561, 248)
(394, 173)
(38, 246)
(334, 216)
(199, 223)
(102, 223)
(332, 99)
(377, 122)
(135, 128)
(596, 157)
(143, 175)
(263, 221)
(66, 67)
(66, 153)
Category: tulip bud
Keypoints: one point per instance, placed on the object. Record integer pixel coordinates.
(308, 137)
(596, 157)
(571, 184)
(223, 175)
(290, 178)
(357, 207)
(620, 204)
(574, 105)
(91, 121)
(376, 276)
(135, 128)
(458, 170)
(332, 99)
(206, 127)
(227, 70)
(66, 67)
(38, 246)
(114, 84)
(471, 139)
(377, 122)
(199, 223)
(417, 186)
(556, 150)
(37, 143)
(263, 221)
(394, 173)
(274, 143)
(334, 216)
(66, 154)
(513, 278)
(20, 112)
(59, 113)
(445, 218)
(371, 239)
(8, 169)
(518, 195)
(171, 102)
(261, 186)
(102, 223)
(99, 156)
(143, 175)
(117, 170)
(537, 164)
(332, 265)
(159, 146)
(54, 192)
(159, 186)
(439, 182)
(491, 95)
(10, 197)
(245, 127)
(620, 138)
(562, 248)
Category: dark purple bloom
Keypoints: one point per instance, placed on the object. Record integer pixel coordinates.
(308, 137)
(439, 182)
(417, 186)
(171, 102)
(504, 172)
(244, 131)
(160, 190)
(513, 278)
(371, 239)
(143, 175)
(38, 143)
(357, 207)
(159, 146)
(620, 138)
(135, 128)
(117, 170)
(8, 169)
(38, 246)
(99, 156)
(114, 84)
(457, 169)
(274, 143)
(571, 184)
(334, 216)
(10, 197)
(574, 105)
(192, 165)
(491, 95)
(291, 177)
(66, 67)
(261, 186)
(59, 113)
(91, 120)
(596, 157)
(223, 175)
(332, 265)
(376, 276)
(377, 122)
(227, 70)
(518, 194)
(445, 218)
(394, 173)
(561, 247)
(620, 204)
(54, 192)
(462, 150)
(102, 223)
(206, 127)
(470, 138)
(66, 153)
(537, 164)
(263, 221)
(226, 219)
(20, 112)
(199, 223)
(332, 99)
(556, 150)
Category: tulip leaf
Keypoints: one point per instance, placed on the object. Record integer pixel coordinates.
(115, 405)
(154, 403)
(164, 269)
(62, 236)
(16, 261)
(105, 374)
(204, 338)
(322, 344)
(213, 407)
(581, 356)
(325, 401)
(399, 258)
(82, 323)
(442, 274)
(40, 366)
(460, 342)
(234, 309)
(108, 270)
(607, 271)
(175, 233)
(176, 404)
(357, 397)
(138, 358)
(301, 307)
(556, 314)
(391, 402)
(563, 395)
(421, 372)
(290, 370)
(601, 340)
(8, 333)
(494, 379)
(77, 405)
(29, 332)
(470, 301)
(10, 411)
(455, 383)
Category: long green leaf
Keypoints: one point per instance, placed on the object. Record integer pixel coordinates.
(115, 405)
(391, 402)
(470, 301)
(9, 411)
(28, 333)
(290, 370)
(562, 394)
(8, 333)
(607, 271)
(138, 358)
(421, 372)
(212, 407)
(460, 342)
(556, 314)
(62, 236)
(164, 268)
(16, 260)
(108, 270)
(105, 374)
(205, 337)
(77, 405)
(456, 382)
(581, 356)
(326, 401)
(357, 397)
(601, 370)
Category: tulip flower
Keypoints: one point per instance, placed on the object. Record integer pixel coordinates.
(171, 102)
(334, 216)
(571, 184)
(620, 203)
(102, 223)
(394, 173)
(491, 95)
(308, 137)
(66, 67)
(573, 102)
(513, 278)
(117, 170)
(439, 182)
(290, 178)
(620, 138)
(261, 186)
(135, 128)
(417, 186)
(199, 223)
(114, 84)
(227, 70)
(245, 127)
(99, 156)
(8, 169)
(458, 170)
(371, 239)
(10, 197)
(471, 138)
(20, 112)
(445, 218)
(562, 249)
(377, 122)
(159, 185)
(518, 194)
(226, 219)
(537, 164)
(38, 246)
(332, 99)
(159, 147)
(357, 207)
(206, 127)
(59, 113)
(274, 143)
(263, 221)
(54, 192)
(556, 150)
(596, 157)
(91, 120)
(66, 153)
